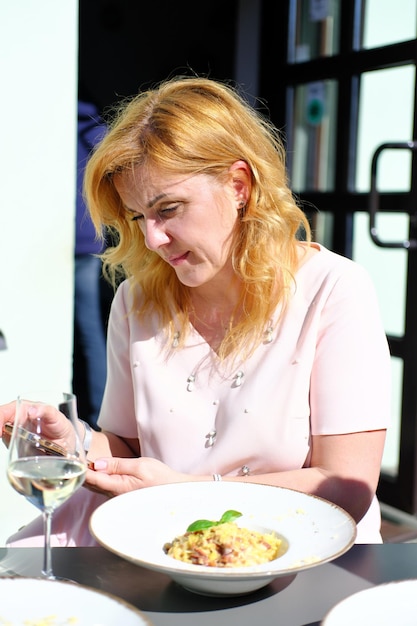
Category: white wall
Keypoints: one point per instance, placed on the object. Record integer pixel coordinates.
(38, 52)
(38, 73)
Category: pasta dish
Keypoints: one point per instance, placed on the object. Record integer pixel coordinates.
(225, 545)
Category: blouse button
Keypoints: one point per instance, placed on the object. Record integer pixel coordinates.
(238, 379)
(211, 438)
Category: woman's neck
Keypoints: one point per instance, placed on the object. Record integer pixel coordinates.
(213, 313)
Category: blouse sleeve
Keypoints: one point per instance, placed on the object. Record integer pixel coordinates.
(117, 413)
(351, 375)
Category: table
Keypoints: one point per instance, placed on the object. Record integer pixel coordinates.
(301, 600)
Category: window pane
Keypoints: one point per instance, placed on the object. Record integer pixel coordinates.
(385, 115)
(388, 267)
(312, 162)
(322, 224)
(390, 460)
(389, 21)
(314, 29)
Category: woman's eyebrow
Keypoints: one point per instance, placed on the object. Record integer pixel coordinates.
(155, 200)
(150, 204)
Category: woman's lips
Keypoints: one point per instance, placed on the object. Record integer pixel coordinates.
(177, 260)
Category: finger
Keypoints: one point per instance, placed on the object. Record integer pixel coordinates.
(91, 483)
(117, 465)
(109, 485)
(7, 412)
(55, 422)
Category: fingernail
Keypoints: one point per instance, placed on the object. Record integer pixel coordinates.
(100, 464)
(33, 411)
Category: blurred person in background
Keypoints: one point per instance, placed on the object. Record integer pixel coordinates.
(89, 365)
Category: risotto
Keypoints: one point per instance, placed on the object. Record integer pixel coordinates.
(224, 545)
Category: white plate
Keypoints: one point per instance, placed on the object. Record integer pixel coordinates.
(385, 605)
(36, 602)
(136, 525)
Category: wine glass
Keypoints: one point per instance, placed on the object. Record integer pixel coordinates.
(46, 462)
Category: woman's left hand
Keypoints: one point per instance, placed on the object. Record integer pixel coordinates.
(114, 476)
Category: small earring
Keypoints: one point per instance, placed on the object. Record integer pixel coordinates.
(241, 204)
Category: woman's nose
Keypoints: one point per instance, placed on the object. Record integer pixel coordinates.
(155, 235)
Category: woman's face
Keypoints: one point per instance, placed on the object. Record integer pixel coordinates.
(188, 220)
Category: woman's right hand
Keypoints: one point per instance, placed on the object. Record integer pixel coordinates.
(7, 413)
(56, 424)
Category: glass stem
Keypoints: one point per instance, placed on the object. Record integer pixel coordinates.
(47, 555)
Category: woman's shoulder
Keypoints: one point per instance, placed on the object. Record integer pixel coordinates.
(318, 260)
(127, 292)
(325, 272)
(126, 300)
(125, 309)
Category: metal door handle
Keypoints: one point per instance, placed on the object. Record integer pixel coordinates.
(374, 196)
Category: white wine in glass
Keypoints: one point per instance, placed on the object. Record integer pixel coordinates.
(46, 462)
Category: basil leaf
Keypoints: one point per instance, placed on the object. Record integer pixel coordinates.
(202, 524)
(229, 516)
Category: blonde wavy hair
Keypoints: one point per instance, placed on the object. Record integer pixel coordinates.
(193, 125)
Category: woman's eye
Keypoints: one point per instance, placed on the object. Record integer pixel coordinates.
(169, 209)
(163, 212)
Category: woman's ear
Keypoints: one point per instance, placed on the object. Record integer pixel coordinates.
(241, 180)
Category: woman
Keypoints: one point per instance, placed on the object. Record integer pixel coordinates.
(236, 351)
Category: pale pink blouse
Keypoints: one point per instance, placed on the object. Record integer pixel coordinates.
(323, 369)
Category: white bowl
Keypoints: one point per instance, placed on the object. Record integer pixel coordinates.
(384, 605)
(36, 601)
(136, 525)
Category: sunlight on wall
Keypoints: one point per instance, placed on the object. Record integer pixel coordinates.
(38, 69)
(38, 45)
